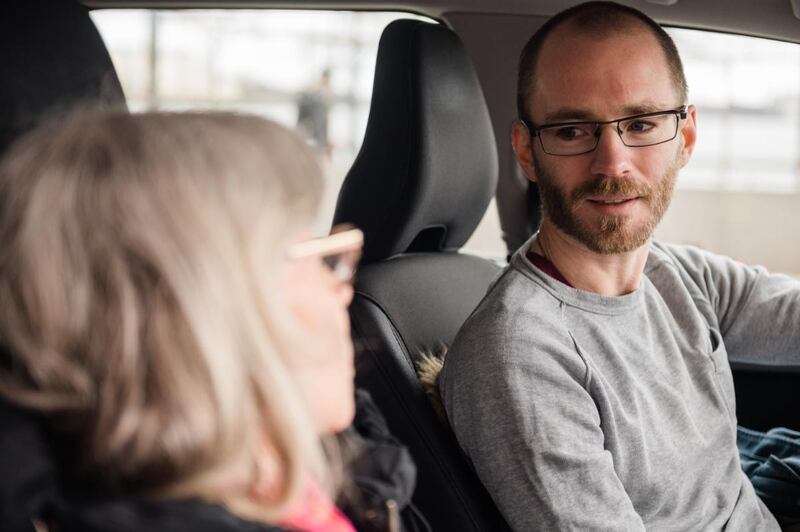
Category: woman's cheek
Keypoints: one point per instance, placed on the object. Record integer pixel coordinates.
(325, 367)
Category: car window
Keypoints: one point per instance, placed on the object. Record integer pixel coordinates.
(740, 193)
(312, 70)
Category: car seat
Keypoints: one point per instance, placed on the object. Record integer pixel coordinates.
(424, 176)
(51, 58)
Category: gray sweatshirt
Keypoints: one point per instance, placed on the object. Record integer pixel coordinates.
(586, 412)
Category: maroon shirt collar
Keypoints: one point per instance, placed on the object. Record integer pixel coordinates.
(544, 264)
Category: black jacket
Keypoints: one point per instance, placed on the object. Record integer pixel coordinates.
(382, 472)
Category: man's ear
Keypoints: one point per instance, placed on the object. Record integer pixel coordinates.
(521, 141)
(688, 133)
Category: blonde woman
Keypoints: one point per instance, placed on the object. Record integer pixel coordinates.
(168, 318)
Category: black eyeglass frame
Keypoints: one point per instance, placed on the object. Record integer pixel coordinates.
(681, 113)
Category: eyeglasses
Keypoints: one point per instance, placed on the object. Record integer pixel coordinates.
(339, 251)
(637, 131)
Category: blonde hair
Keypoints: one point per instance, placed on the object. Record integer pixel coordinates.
(138, 274)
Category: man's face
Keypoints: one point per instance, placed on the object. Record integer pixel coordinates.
(609, 200)
(608, 228)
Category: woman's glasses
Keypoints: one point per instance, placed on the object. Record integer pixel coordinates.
(340, 251)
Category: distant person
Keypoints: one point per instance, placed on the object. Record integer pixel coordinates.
(313, 106)
(591, 388)
(182, 339)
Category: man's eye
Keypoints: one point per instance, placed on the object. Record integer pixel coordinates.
(639, 126)
(570, 133)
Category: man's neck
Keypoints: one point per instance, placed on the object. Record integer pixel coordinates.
(608, 275)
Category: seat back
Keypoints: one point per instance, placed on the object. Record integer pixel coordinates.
(51, 58)
(420, 185)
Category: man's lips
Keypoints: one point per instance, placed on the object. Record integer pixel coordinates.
(614, 206)
(612, 200)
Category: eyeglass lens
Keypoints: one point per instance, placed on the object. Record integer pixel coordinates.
(343, 264)
(582, 137)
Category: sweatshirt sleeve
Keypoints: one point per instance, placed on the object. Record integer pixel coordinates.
(758, 312)
(516, 397)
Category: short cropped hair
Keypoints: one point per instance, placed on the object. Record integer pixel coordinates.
(139, 261)
(593, 18)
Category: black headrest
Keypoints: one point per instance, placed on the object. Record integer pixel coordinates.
(428, 166)
(51, 57)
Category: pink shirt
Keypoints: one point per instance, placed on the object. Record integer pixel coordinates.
(315, 512)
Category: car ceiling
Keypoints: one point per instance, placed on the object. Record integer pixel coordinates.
(771, 18)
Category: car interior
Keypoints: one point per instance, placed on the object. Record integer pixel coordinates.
(435, 156)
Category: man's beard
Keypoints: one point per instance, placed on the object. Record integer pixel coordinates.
(610, 234)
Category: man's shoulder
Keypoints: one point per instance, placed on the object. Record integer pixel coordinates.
(517, 317)
(516, 297)
(698, 263)
(675, 254)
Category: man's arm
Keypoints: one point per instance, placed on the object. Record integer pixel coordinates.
(520, 409)
(758, 312)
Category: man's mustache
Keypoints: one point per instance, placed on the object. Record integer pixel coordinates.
(612, 186)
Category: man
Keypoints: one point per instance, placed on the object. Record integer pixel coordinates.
(591, 388)
(313, 107)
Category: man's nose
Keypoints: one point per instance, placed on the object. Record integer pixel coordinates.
(611, 157)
